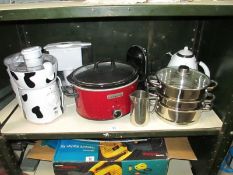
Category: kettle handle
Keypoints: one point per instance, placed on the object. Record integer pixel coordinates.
(205, 68)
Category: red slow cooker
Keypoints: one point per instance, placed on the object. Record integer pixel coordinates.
(103, 89)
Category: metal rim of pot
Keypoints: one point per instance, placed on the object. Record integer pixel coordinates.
(184, 105)
(103, 75)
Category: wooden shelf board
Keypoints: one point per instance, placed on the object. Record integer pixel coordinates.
(71, 124)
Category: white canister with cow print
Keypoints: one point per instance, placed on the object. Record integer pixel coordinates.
(34, 79)
(42, 105)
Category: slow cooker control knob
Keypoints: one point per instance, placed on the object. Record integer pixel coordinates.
(117, 113)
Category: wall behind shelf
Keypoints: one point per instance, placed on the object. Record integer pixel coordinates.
(111, 37)
(217, 50)
(210, 38)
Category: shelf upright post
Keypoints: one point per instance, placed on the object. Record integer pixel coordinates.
(8, 159)
(224, 140)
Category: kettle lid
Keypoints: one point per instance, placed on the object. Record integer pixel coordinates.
(185, 53)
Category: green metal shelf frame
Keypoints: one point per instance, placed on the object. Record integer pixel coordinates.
(112, 11)
(142, 10)
(118, 135)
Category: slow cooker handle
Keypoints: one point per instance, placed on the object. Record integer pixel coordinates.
(113, 65)
(70, 78)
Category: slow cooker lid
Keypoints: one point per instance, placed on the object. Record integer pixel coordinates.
(183, 77)
(103, 75)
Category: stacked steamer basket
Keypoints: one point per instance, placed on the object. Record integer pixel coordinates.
(183, 94)
(33, 79)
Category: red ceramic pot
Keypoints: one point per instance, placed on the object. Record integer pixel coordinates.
(103, 89)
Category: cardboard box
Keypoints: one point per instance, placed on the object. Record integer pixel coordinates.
(226, 167)
(125, 157)
(41, 152)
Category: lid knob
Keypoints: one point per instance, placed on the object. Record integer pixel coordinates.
(185, 53)
(183, 69)
(186, 48)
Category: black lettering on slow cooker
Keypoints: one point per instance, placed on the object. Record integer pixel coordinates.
(36, 110)
(25, 97)
(48, 80)
(14, 75)
(27, 80)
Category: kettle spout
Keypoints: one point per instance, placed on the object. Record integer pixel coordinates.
(169, 53)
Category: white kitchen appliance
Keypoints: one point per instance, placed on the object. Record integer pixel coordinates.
(187, 58)
(33, 77)
(42, 105)
(69, 56)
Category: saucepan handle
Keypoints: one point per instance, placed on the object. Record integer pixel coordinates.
(153, 81)
(213, 84)
(154, 98)
(208, 102)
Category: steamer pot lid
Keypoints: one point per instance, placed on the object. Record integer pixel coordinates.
(183, 77)
(103, 75)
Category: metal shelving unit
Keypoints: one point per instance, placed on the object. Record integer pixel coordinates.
(140, 22)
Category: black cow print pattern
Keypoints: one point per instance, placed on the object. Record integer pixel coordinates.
(36, 110)
(14, 75)
(48, 80)
(27, 80)
(25, 97)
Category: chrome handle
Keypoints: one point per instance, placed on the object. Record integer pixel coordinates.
(213, 84)
(153, 80)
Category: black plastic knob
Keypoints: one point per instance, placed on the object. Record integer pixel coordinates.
(117, 113)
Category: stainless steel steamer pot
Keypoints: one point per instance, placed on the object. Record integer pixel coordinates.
(181, 83)
(177, 116)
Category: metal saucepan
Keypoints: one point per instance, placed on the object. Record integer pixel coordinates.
(186, 105)
(177, 116)
(181, 83)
